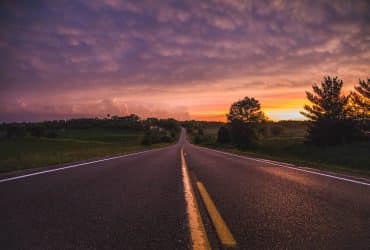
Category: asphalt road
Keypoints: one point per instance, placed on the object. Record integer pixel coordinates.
(137, 202)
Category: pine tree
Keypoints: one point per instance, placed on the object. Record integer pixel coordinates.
(327, 101)
(330, 123)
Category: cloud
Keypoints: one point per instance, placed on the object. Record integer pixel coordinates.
(20, 110)
(62, 49)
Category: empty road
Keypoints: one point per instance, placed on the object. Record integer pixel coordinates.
(139, 201)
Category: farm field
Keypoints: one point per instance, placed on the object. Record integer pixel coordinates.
(70, 145)
(289, 146)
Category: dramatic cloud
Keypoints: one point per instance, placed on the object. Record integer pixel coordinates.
(186, 59)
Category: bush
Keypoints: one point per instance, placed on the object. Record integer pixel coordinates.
(223, 135)
(153, 136)
(332, 132)
(147, 140)
(166, 138)
(36, 131)
(198, 139)
(262, 130)
(51, 134)
(277, 130)
(200, 132)
(15, 130)
(243, 135)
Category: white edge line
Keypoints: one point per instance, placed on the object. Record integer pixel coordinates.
(287, 165)
(75, 165)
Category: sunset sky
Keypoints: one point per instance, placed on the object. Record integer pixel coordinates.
(180, 59)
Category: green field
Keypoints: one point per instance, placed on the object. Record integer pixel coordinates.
(289, 147)
(70, 145)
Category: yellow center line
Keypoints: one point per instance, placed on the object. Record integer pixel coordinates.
(223, 232)
(198, 233)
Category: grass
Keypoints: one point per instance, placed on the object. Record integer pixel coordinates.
(104, 135)
(289, 147)
(30, 152)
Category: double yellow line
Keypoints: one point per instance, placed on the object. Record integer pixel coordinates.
(197, 229)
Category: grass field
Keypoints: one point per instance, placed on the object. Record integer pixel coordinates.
(289, 147)
(70, 145)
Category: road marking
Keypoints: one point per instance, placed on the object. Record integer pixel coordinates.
(223, 232)
(197, 231)
(74, 165)
(287, 165)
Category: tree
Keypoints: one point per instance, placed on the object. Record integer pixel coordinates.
(360, 104)
(244, 117)
(328, 114)
(327, 101)
(247, 110)
(223, 135)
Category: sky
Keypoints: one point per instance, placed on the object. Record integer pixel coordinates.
(181, 59)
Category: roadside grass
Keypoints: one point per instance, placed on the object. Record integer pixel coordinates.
(289, 147)
(30, 152)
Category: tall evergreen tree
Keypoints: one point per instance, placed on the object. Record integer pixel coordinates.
(327, 101)
(328, 114)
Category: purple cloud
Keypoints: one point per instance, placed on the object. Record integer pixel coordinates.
(116, 49)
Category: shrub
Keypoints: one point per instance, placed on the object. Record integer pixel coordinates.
(243, 135)
(15, 130)
(262, 130)
(198, 139)
(331, 132)
(200, 132)
(223, 135)
(51, 134)
(153, 136)
(36, 131)
(277, 130)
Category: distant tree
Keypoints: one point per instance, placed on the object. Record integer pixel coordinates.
(245, 118)
(360, 104)
(328, 114)
(247, 110)
(223, 135)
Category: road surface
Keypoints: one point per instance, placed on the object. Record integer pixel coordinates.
(138, 202)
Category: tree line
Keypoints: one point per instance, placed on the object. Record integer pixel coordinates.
(155, 130)
(334, 118)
